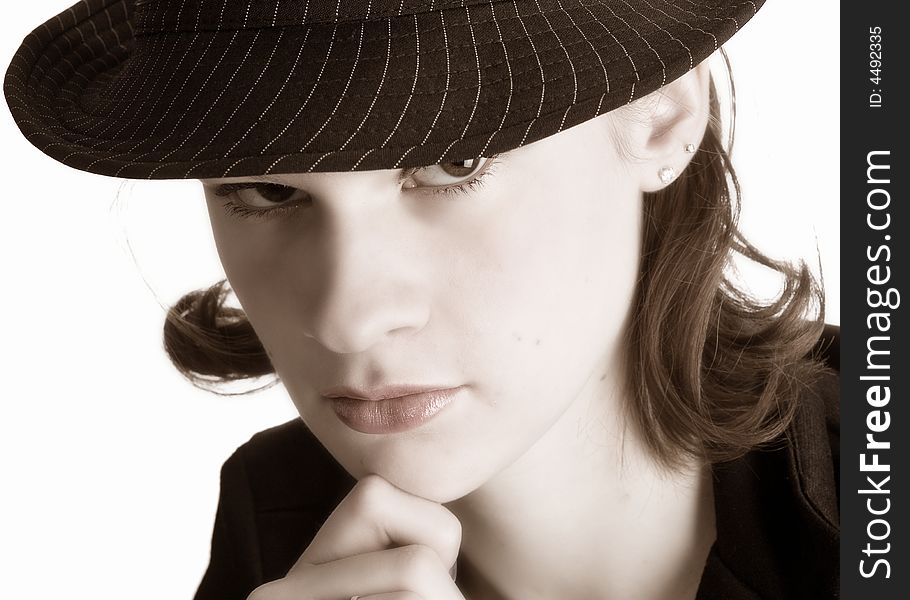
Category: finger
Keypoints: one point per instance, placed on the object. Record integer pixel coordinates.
(376, 515)
(410, 569)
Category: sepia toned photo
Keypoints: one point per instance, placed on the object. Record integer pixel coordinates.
(421, 299)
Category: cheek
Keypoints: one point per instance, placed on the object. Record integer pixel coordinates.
(552, 285)
(244, 252)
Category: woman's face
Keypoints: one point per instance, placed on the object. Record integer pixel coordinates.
(517, 290)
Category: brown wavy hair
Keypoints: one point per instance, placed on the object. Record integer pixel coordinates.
(712, 371)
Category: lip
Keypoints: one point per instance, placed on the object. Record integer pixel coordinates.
(390, 409)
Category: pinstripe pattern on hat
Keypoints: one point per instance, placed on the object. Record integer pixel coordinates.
(170, 89)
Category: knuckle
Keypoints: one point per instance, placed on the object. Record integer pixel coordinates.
(369, 495)
(451, 532)
(372, 483)
(415, 562)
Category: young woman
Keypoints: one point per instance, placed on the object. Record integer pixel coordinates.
(485, 248)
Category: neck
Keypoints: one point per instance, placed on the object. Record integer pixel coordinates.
(586, 513)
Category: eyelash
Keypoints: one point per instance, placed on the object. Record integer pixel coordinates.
(237, 209)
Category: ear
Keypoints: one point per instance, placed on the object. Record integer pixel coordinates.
(664, 124)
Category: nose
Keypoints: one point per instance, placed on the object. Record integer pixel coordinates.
(366, 283)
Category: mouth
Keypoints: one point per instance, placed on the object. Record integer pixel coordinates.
(391, 409)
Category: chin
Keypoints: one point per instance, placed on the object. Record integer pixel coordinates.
(440, 462)
(437, 481)
(435, 487)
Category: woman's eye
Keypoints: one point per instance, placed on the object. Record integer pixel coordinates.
(449, 173)
(265, 200)
(261, 195)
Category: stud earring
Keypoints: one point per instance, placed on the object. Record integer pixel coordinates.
(666, 175)
(690, 148)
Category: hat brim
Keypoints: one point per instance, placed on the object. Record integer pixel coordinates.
(396, 92)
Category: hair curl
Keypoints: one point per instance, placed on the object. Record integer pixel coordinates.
(212, 343)
(712, 371)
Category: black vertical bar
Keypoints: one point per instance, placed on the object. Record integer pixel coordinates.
(875, 222)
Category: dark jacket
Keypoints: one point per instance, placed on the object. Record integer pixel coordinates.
(776, 510)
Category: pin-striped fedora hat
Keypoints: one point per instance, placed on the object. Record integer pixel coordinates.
(173, 89)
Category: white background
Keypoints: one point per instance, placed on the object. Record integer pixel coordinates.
(110, 459)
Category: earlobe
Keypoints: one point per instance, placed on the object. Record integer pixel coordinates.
(674, 119)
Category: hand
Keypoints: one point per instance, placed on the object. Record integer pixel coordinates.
(380, 543)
